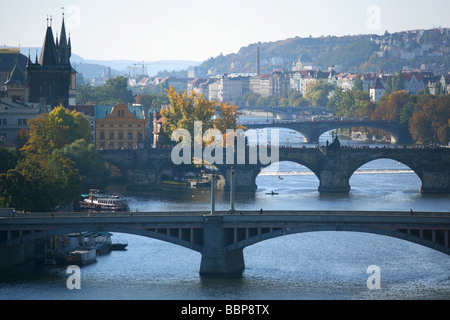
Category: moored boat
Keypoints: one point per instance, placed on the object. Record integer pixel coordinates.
(119, 246)
(82, 257)
(95, 201)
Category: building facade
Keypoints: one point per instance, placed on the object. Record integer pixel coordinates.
(119, 127)
(14, 116)
(377, 90)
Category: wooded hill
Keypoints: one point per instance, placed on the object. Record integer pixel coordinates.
(358, 53)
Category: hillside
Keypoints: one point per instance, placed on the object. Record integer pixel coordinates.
(358, 53)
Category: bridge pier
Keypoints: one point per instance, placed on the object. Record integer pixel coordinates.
(215, 260)
(334, 181)
(435, 182)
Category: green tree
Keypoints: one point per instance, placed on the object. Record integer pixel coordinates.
(317, 93)
(55, 180)
(357, 84)
(114, 91)
(8, 159)
(350, 103)
(91, 169)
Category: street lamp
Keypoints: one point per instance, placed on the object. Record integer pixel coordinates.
(231, 189)
(213, 200)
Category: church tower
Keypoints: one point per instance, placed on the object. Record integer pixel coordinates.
(52, 78)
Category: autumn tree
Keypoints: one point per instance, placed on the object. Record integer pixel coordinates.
(55, 130)
(391, 107)
(227, 119)
(431, 119)
(184, 110)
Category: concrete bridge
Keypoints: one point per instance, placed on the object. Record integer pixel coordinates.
(313, 130)
(333, 166)
(220, 238)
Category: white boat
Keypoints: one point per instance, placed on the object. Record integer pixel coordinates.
(95, 201)
(82, 257)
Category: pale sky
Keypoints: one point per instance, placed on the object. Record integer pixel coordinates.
(153, 30)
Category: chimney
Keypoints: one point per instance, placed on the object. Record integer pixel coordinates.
(257, 60)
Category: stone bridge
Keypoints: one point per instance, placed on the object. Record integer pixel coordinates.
(332, 165)
(313, 130)
(221, 237)
(281, 112)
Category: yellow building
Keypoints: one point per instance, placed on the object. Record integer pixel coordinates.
(119, 127)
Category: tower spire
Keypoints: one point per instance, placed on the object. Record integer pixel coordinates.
(63, 44)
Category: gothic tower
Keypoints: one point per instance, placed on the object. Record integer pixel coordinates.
(52, 78)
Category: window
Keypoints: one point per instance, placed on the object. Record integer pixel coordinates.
(19, 122)
(102, 135)
(111, 135)
(130, 135)
(120, 135)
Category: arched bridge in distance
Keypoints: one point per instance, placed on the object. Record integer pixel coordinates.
(221, 237)
(333, 166)
(313, 130)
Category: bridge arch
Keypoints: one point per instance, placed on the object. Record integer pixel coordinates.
(291, 136)
(414, 236)
(291, 165)
(390, 166)
(358, 163)
(163, 235)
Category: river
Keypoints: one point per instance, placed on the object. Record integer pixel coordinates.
(317, 265)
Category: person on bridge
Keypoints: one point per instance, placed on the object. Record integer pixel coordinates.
(261, 211)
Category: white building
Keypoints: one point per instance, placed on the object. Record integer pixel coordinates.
(377, 90)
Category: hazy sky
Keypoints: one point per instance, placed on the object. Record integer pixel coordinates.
(199, 29)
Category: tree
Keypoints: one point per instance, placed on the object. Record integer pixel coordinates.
(16, 192)
(54, 179)
(183, 111)
(357, 84)
(55, 130)
(317, 93)
(114, 91)
(227, 120)
(8, 160)
(91, 169)
(350, 103)
(430, 120)
(391, 108)
(44, 177)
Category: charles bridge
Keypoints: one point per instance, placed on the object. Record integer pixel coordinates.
(312, 130)
(333, 165)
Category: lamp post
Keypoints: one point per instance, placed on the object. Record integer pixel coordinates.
(213, 187)
(232, 189)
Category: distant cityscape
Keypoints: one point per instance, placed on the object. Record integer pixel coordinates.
(30, 86)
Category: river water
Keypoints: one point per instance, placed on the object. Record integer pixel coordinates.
(317, 265)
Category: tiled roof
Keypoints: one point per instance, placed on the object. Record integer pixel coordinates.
(102, 111)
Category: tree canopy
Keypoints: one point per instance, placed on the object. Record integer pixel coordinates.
(114, 91)
(57, 160)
